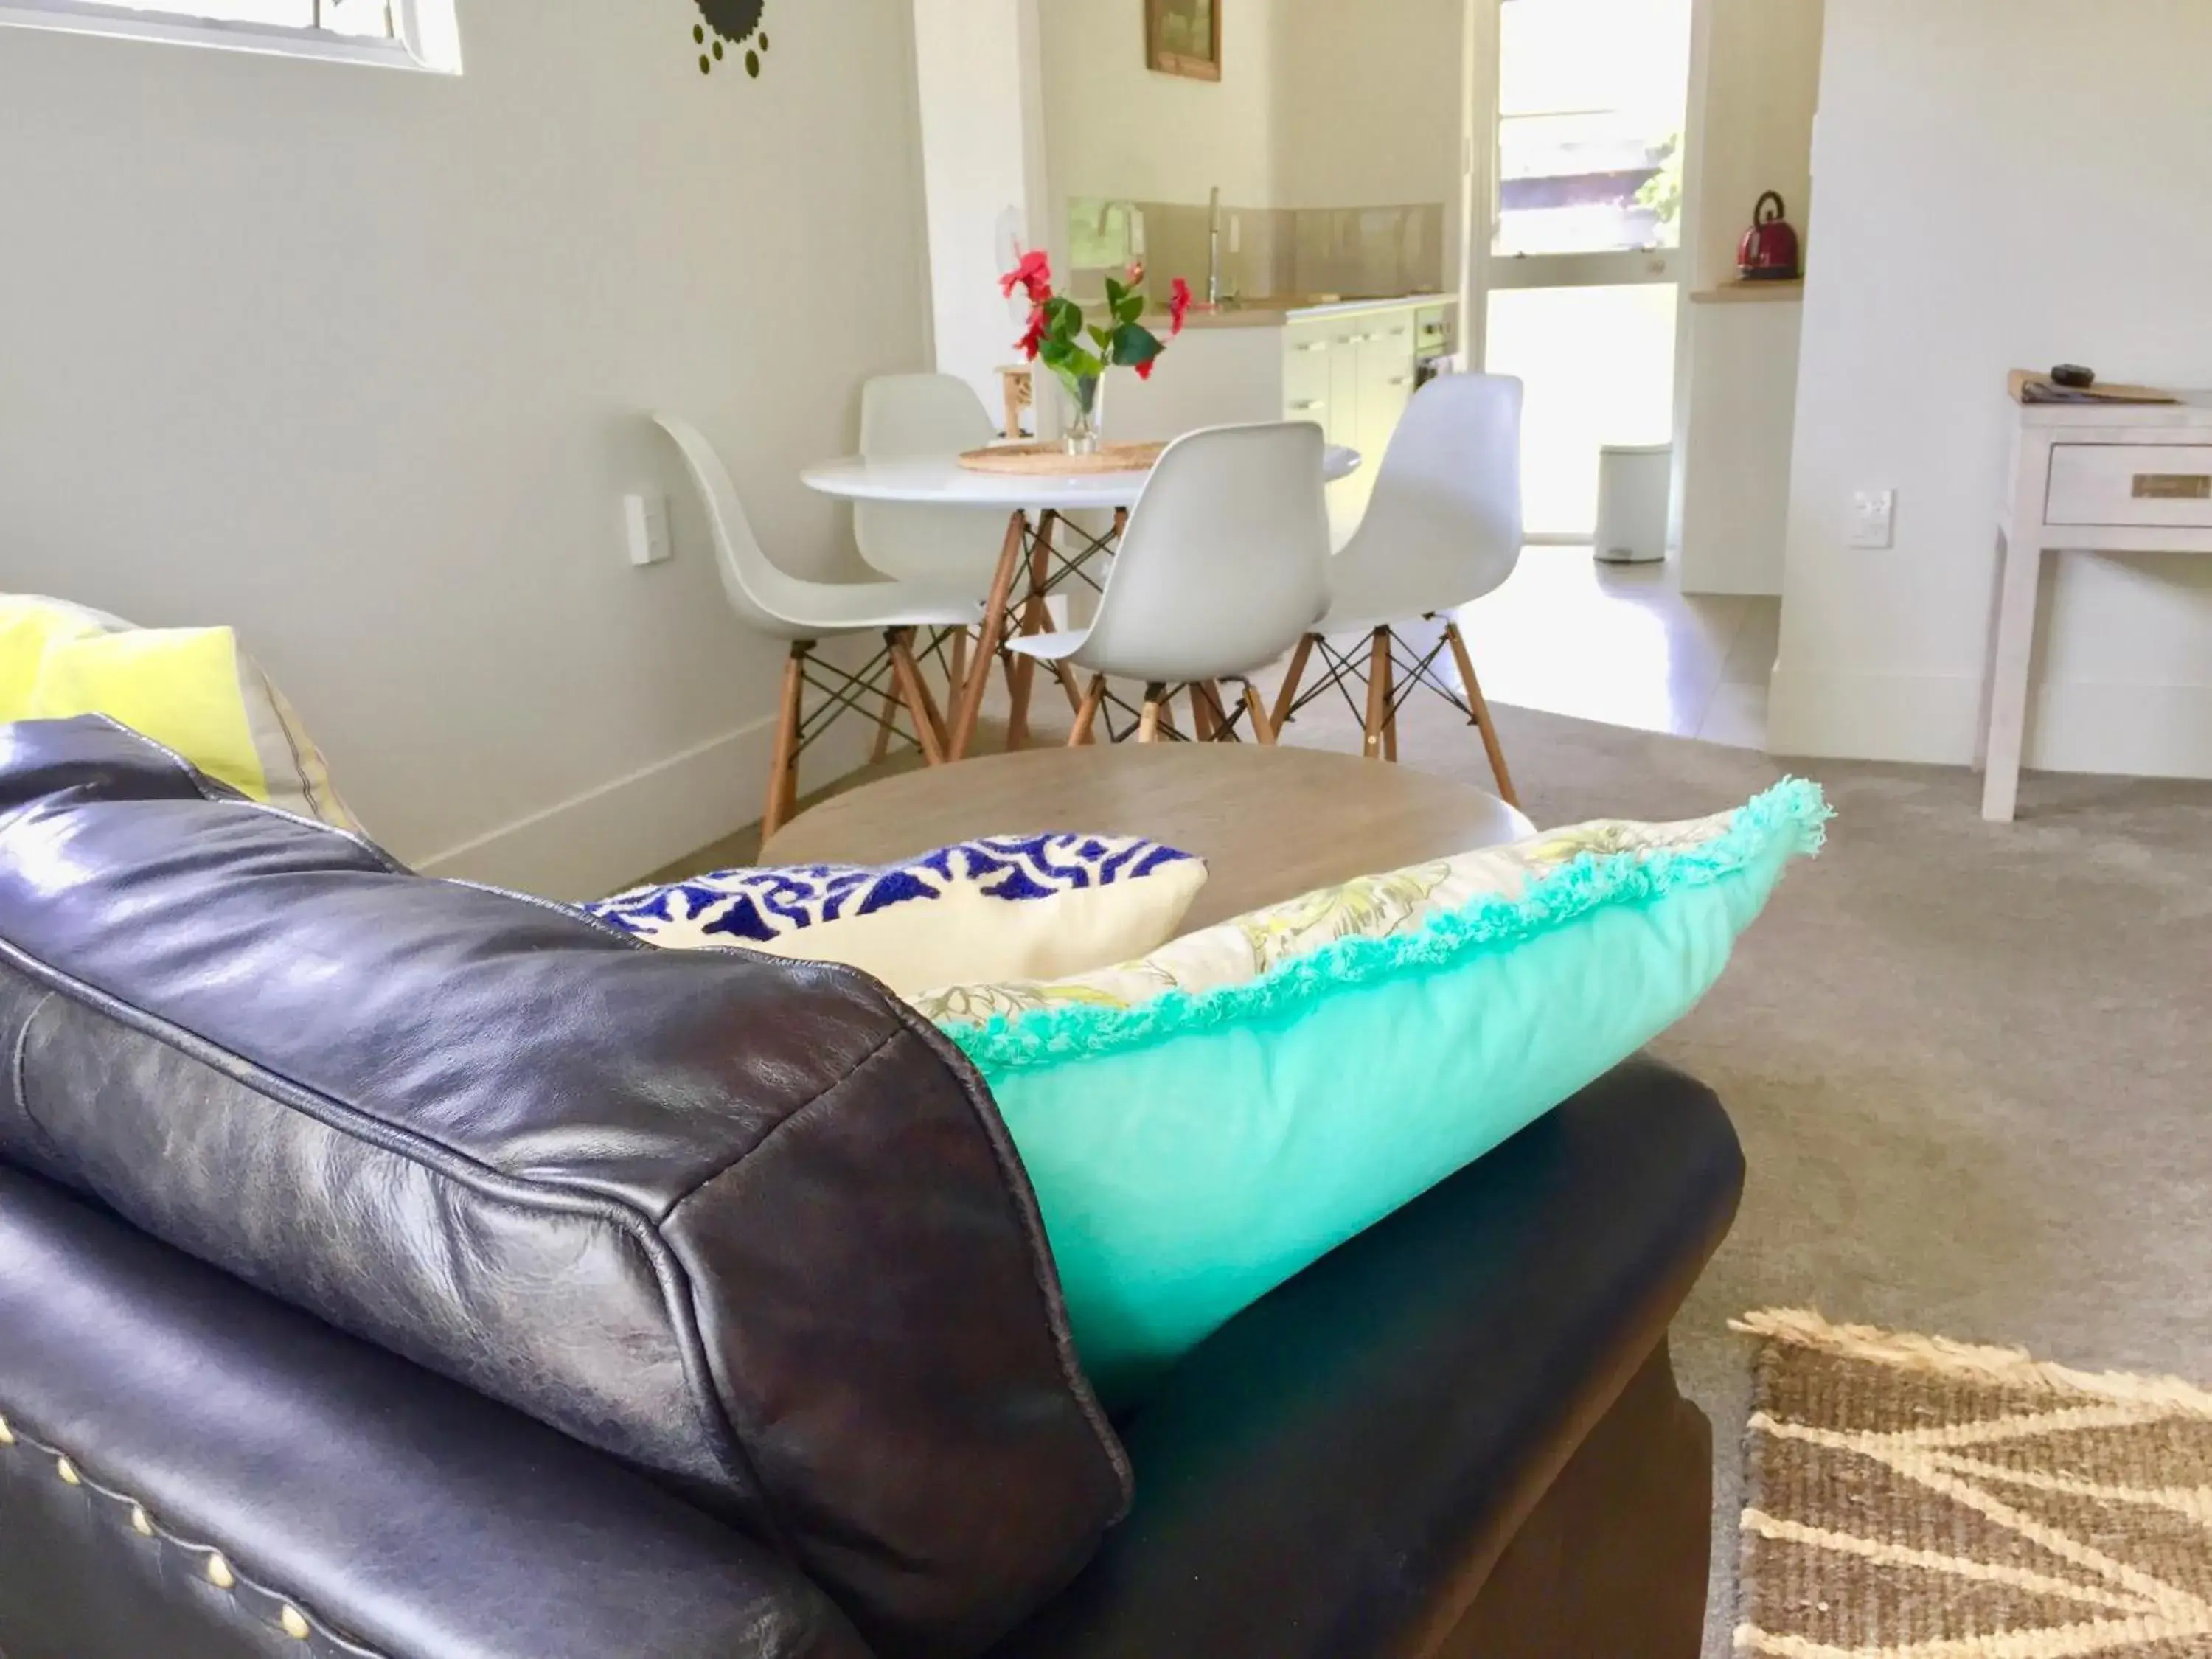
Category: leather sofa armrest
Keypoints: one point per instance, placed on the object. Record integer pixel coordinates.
(1335, 1474)
(355, 1503)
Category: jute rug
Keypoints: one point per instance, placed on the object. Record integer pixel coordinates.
(1908, 1498)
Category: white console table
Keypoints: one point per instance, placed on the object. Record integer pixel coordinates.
(2086, 479)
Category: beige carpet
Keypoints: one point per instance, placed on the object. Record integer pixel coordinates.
(1970, 1064)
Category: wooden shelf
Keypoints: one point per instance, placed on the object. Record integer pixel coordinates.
(1740, 292)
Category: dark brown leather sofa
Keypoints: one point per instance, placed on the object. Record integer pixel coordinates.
(392, 1267)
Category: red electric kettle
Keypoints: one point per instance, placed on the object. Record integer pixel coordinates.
(1768, 252)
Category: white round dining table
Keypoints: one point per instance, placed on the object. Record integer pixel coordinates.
(943, 482)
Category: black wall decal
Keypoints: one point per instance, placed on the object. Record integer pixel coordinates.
(739, 23)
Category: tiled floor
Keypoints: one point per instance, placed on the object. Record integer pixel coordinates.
(1619, 644)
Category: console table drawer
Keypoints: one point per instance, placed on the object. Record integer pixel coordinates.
(2131, 483)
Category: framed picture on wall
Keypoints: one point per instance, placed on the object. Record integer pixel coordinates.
(1183, 37)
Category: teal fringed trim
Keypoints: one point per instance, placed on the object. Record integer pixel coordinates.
(1793, 816)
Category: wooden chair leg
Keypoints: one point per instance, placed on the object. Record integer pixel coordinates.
(1036, 618)
(1263, 729)
(783, 762)
(907, 674)
(886, 726)
(1378, 692)
(958, 673)
(1148, 722)
(1287, 698)
(987, 648)
(1389, 707)
(1202, 727)
(1217, 713)
(1476, 701)
(1086, 714)
(1070, 684)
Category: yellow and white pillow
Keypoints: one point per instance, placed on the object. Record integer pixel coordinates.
(189, 688)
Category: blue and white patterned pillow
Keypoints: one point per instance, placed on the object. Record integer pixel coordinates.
(1013, 907)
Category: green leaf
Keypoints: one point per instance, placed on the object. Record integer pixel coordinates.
(1116, 293)
(1070, 361)
(1134, 346)
(1063, 318)
(1129, 307)
(1102, 338)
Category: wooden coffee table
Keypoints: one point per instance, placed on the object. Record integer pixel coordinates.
(1271, 822)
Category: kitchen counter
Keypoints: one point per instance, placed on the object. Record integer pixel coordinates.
(1751, 293)
(1349, 366)
(1280, 310)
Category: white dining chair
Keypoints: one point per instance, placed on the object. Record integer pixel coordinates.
(804, 613)
(907, 417)
(1443, 529)
(1221, 569)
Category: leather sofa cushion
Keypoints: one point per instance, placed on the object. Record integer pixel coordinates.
(746, 1223)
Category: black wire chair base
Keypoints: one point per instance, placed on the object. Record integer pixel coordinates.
(871, 693)
(1410, 670)
(1227, 724)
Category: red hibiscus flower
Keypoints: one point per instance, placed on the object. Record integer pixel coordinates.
(1178, 307)
(1033, 342)
(1145, 369)
(1033, 276)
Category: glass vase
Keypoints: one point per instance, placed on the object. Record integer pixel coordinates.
(1086, 400)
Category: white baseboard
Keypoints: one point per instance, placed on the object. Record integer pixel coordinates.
(609, 837)
(2133, 731)
(2074, 726)
(1707, 583)
(1925, 718)
(591, 846)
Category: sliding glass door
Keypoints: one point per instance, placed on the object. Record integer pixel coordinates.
(1580, 278)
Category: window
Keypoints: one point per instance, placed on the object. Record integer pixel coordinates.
(418, 34)
(1591, 101)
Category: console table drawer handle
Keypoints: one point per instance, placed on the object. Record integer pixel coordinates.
(2173, 486)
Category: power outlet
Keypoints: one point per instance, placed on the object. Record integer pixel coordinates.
(645, 528)
(1874, 519)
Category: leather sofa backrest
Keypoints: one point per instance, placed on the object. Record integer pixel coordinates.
(746, 1223)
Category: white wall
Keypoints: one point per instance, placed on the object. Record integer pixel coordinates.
(356, 359)
(1116, 129)
(2003, 183)
(1754, 89)
(1321, 103)
(983, 168)
(1367, 106)
(1761, 73)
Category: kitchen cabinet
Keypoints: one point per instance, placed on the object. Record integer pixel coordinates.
(1349, 368)
(1354, 372)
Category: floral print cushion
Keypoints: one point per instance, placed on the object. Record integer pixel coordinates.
(1263, 941)
(1201, 1123)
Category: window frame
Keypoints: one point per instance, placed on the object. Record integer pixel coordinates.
(407, 49)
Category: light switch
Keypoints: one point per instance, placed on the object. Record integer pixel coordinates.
(645, 522)
(1874, 519)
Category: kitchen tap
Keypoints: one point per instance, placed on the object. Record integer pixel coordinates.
(1213, 250)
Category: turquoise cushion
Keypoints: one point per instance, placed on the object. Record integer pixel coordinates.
(1195, 1150)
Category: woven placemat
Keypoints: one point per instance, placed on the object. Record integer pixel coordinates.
(1052, 460)
(1910, 1498)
